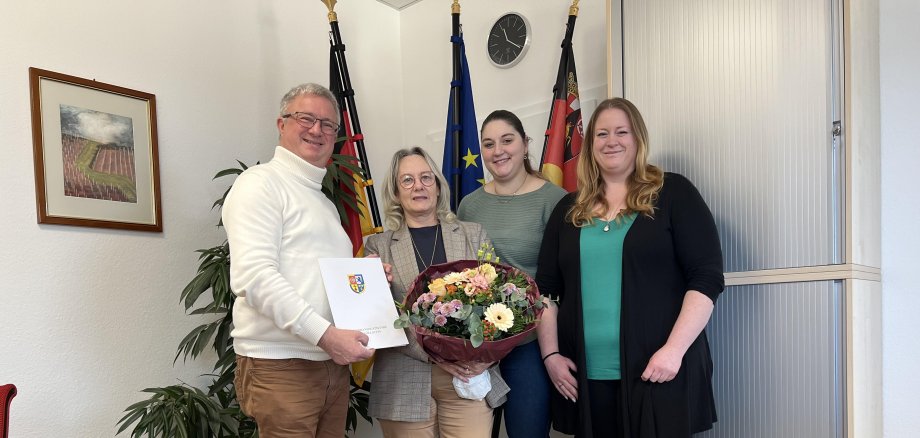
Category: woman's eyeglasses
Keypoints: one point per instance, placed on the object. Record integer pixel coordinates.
(408, 181)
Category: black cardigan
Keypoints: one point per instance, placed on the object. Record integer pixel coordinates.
(663, 258)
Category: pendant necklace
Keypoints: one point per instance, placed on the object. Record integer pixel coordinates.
(607, 226)
(507, 198)
(434, 249)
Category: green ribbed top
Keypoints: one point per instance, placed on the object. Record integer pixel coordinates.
(514, 223)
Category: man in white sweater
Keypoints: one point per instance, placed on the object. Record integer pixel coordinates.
(292, 363)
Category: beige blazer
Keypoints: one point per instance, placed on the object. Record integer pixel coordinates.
(401, 381)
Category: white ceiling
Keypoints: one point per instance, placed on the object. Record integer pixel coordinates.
(398, 4)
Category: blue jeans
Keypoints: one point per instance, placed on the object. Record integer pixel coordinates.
(527, 409)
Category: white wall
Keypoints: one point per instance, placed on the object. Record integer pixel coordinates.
(900, 97)
(88, 317)
(525, 89)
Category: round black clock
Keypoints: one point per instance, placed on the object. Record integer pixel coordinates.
(508, 40)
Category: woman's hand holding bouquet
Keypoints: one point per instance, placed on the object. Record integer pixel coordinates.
(469, 314)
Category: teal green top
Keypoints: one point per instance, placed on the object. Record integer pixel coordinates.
(601, 290)
(515, 223)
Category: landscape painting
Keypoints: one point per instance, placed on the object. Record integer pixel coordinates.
(96, 159)
(98, 155)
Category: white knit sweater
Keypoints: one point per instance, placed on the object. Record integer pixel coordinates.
(278, 224)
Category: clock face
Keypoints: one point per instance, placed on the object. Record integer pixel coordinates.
(508, 40)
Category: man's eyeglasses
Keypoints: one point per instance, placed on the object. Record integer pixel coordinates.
(408, 181)
(307, 120)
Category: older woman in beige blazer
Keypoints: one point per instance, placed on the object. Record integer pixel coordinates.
(412, 394)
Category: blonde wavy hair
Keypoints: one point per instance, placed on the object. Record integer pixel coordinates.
(643, 185)
(393, 211)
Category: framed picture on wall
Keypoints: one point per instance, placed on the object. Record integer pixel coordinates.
(95, 148)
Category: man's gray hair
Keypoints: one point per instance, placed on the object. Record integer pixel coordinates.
(311, 89)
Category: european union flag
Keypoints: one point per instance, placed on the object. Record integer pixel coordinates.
(462, 165)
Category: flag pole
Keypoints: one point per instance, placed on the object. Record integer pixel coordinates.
(560, 76)
(349, 93)
(455, 98)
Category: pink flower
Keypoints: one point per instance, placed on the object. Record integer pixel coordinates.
(480, 282)
(509, 288)
(426, 299)
(440, 320)
(415, 307)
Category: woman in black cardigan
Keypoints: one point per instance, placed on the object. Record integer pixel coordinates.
(654, 377)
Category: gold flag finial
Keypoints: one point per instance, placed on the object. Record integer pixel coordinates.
(331, 5)
(573, 10)
(455, 8)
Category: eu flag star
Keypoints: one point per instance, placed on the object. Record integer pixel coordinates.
(470, 158)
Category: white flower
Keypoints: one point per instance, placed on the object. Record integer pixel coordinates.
(469, 273)
(500, 316)
(453, 277)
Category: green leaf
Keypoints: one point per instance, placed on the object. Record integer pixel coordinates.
(351, 164)
(130, 418)
(204, 339)
(465, 312)
(226, 172)
(476, 340)
(221, 383)
(351, 203)
(402, 322)
(188, 342)
(339, 185)
(211, 309)
(195, 288)
(328, 183)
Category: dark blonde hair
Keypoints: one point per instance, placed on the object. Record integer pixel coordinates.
(643, 185)
(393, 211)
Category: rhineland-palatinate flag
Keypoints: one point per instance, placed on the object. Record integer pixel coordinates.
(462, 164)
(564, 132)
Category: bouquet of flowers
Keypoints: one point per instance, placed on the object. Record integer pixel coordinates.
(471, 309)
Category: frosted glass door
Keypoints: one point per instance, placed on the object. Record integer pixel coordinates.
(740, 97)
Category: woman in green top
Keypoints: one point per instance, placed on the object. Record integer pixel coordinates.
(513, 209)
(634, 259)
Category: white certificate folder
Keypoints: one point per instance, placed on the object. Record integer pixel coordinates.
(360, 299)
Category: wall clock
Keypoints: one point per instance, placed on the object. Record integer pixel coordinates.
(508, 40)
